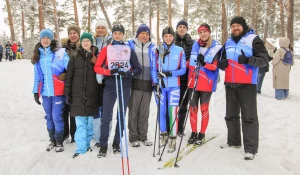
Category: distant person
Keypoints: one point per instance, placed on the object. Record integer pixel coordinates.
(14, 48)
(19, 51)
(1, 52)
(7, 50)
(281, 69)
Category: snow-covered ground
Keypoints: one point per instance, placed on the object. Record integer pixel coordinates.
(24, 136)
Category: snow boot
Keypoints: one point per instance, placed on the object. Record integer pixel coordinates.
(59, 147)
(116, 148)
(163, 139)
(147, 143)
(200, 139)
(75, 155)
(51, 145)
(135, 144)
(102, 152)
(97, 145)
(229, 146)
(192, 138)
(172, 144)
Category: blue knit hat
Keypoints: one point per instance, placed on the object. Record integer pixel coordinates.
(182, 22)
(143, 28)
(48, 33)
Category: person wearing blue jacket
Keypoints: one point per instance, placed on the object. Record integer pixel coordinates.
(168, 71)
(49, 62)
(141, 88)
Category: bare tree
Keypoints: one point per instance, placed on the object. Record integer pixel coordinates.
(157, 23)
(267, 19)
(170, 13)
(76, 12)
(89, 16)
(255, 10)
(224, 23)
(55, 17)
(280, 4)
(105, 14)
(41, 15)
(11, 24)
(185, 10)
(150, 15)
(238, 7)
(132, 16)
(23, 26)
(290, 21)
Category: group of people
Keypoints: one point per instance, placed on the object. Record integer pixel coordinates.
(87, 75)
(12, 51)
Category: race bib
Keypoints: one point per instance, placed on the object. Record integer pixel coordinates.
(118, 57)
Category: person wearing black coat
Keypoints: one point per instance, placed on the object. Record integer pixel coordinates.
(184, 40)
(83, 92)
(261, 75)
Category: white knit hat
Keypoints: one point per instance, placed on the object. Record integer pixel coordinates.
(101, 22)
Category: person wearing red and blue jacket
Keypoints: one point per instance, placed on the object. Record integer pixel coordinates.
(206, 52)
(115, 60)
(49, 62)
(168, 70)
(244, 53)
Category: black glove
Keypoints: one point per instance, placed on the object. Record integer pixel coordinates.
(157, 89)
(68, 100)
(113, 71)
(36, 98)
(223, 64)
(164, 74)
(200, 58)
(243, 59)
(122, 73)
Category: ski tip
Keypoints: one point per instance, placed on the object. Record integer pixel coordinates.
(176, 166)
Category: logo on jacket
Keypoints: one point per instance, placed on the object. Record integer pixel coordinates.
(175, 57)
(58, 102)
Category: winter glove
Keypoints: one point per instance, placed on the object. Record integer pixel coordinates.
(243, 59)
(223, 64)
(62, 76)
(122, 73)
(36, 98)
(200, 59)
(157, 90)
(68, 100)
(164, 74)
(113, 71)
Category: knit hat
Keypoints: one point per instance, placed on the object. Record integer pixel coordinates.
(101, 22)
(86, 35)
(48, 33)
(239, 20)
(75, 28)
(168, 30)
(118, 27)
(143, 28)
(204, 26)
(182, 22)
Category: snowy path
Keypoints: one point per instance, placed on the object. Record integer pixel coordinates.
(24, 136)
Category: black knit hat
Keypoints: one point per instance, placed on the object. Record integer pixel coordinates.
(182, 22)
(118, 27)
(168, 30)
(239, 20)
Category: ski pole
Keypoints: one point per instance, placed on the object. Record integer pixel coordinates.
(124, 122)
(185, 120)
(157, 118)
(119, 122)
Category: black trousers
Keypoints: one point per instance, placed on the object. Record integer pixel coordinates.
(183, 109)
(242, 99)
(70, 128)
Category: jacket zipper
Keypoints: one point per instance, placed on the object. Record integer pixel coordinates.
(45, 51)
(142, 61)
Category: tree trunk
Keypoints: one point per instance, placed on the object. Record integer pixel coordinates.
(105, 14)
(11, 24)
(267, 20)
(55, 17)
(170, 13)
(157, 24)
(185, 10)
(23, 27)
(290, 21)
(75, 12)
(224, 23)
(132, 17)
(150, 15)
(255, 7)
(41, 15)
(280, 4)
(89, 16)
(238, 7)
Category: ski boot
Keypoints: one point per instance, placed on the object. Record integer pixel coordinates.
(116, 148)
(163, 139)
(248, 156)
(172, 144)
(200, 139)
(192, 138)
(51, 145)
(59, 147)
(75, 155)
(102, 152)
